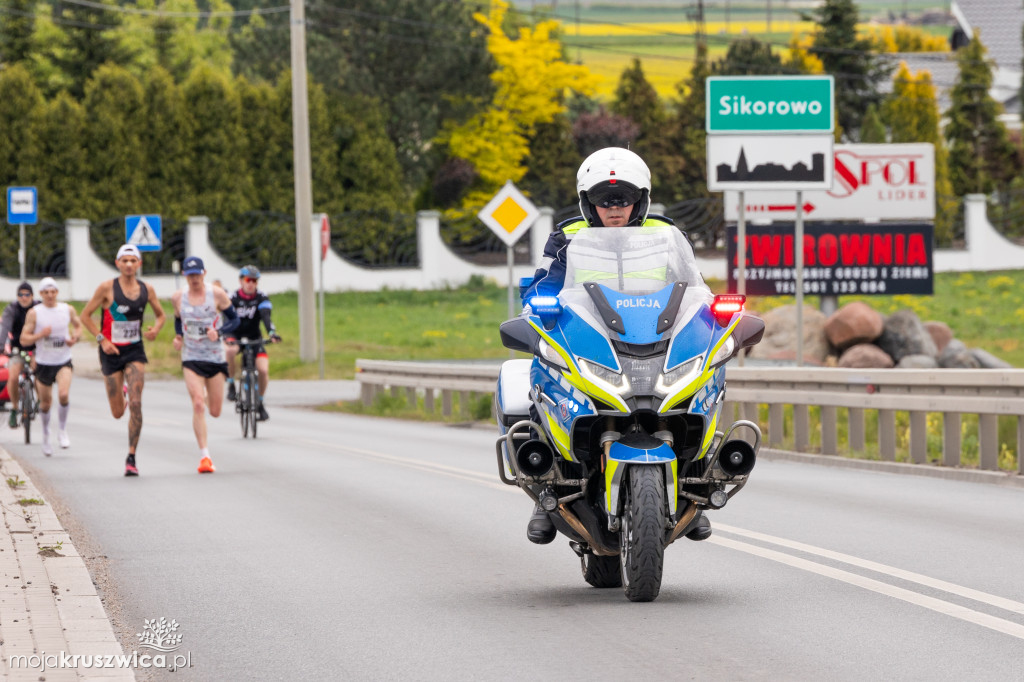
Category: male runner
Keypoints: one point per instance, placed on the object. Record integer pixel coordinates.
(58, 329)
(122, 355)
(12, 322)
(197, 309)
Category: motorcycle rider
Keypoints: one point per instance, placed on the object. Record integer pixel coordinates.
(614, 187)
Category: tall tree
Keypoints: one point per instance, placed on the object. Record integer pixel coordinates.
(858, 72)
(981, 155)
(637, 100)
(91, 41)
(21, 107)
(64, 183)
(872, 130)
(747, 56)
(220, 180)
(16, 30)
(165, 140)
(530, 81)
(267, 122)
(117, 161)
(686, 133)
(551, 178)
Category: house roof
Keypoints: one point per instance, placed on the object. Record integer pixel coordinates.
(941, 65)
(999, 24)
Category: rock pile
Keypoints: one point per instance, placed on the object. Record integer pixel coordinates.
(856, 335)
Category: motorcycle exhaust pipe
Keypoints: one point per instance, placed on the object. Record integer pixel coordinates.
(535, 458)
(736, 457)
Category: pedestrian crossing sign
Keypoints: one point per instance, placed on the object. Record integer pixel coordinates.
(144, 231)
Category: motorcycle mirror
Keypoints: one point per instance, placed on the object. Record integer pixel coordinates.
(748, 332)
(517, 334)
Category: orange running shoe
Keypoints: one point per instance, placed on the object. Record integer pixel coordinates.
(206, 466)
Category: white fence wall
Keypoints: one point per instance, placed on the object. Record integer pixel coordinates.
(439, 266)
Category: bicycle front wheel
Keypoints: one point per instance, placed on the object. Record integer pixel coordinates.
(27, 399)
(254, 402)
(242, 403)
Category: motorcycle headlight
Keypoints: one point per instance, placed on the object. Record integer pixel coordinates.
(724, 353)
(614, 382)
(684, 373)
(551, 355)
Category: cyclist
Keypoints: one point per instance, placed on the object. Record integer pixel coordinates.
(58, 329)
(197, 309)
(12, 322)
(252, 306)
(122, 354)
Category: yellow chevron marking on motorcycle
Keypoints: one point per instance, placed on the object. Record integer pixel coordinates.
(576, 379)
(709, 434)
(673, 494)
(610, 467)
(560, 435)
(705, 376)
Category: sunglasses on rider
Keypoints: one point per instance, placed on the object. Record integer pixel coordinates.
(24, 294)
(249, 280)
(607, 195)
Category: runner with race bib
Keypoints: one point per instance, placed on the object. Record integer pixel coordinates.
(123, 301)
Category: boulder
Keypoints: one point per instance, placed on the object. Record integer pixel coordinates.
(903, 334)
(779, 342)
(940, 332)
(865, 356)
(854, 323)
(956, 356)
(987, 360)
(917, 362)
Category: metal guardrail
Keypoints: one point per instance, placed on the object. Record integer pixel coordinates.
(990, 394)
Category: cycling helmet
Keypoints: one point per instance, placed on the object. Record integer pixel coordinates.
(249, 271)
(614, 177)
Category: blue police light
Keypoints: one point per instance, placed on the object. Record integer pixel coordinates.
(547, 308)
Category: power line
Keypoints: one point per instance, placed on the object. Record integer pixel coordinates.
(161, 13)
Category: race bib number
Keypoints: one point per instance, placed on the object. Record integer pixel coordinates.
(125, 331)
(54, 343)
(195, 331)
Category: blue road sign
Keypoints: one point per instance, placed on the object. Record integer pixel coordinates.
(144, 231)
(22, 206)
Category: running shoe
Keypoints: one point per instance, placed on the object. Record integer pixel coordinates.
(12, 421)
(231, 391)
(261, 414)
(206, 466)
(62, 438)
(47, 450)
(129, 466)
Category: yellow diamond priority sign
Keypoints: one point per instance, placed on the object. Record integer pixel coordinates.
(509, 214)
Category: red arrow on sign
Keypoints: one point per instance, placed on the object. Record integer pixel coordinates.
(808, 207)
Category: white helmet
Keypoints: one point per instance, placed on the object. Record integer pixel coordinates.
(614, 177)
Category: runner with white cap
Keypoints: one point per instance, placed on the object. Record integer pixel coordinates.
(122, 355)
(58, 329)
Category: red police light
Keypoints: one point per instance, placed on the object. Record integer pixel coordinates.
(725, 306)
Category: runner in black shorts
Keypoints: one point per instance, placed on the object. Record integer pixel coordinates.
(122, 355)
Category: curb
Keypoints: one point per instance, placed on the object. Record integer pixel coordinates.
(949, 473)
(48, 603)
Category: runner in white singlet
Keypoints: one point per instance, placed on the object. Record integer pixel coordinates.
(59, 328)
(199, 309)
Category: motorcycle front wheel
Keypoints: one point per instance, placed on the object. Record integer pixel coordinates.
(642, 552)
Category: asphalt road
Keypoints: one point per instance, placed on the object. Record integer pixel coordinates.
(336, 547)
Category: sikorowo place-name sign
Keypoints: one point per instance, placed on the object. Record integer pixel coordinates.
(770, 104)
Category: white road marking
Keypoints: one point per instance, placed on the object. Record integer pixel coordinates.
(983, 597)
(938, 605)
(944, 607)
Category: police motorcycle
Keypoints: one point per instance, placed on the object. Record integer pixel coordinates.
(613, 428)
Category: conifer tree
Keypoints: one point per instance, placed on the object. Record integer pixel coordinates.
(21, 106)
(16, 30)
(981, 155)
(858, 72)
(165, 140)
(686, 133)
(637, 100)
(872, 130)
(116, 160)
(64, 183)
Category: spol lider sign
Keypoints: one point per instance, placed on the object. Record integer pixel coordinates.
(839, 258)
(770, 104)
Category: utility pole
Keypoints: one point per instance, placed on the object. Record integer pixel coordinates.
(303, 184)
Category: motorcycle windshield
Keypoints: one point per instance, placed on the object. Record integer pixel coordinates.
(635, 270)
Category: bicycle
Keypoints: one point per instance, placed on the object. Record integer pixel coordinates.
(247, 403)
(28, 405)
